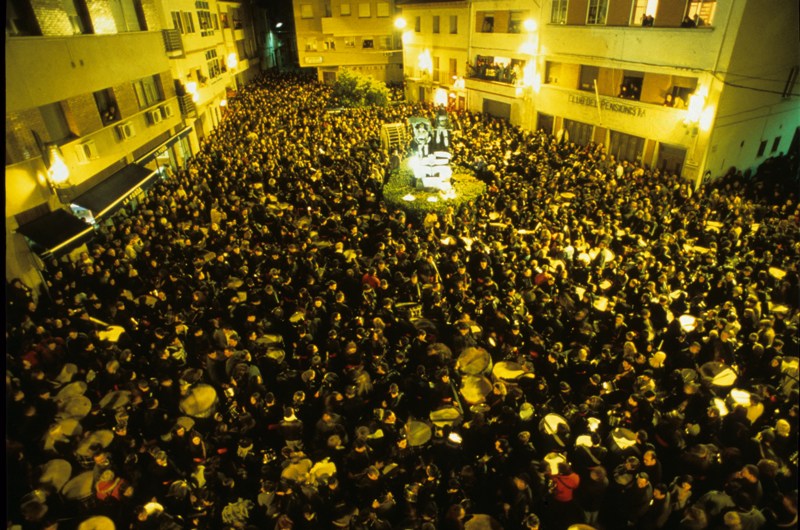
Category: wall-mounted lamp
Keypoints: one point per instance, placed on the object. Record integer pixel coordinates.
(425, 61)
(400, 23)
(696, 103)
(529, 25)
(57, 170)
(232, 61)
(191, 88)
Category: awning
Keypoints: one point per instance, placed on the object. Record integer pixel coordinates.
(54, 232)
(109, 195)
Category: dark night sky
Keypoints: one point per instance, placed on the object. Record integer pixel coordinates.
(278, 9)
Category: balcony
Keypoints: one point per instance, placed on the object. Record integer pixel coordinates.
(188, 108)
(172, 42)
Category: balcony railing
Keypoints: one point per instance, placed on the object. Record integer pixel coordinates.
(188, 107)
(172, 40)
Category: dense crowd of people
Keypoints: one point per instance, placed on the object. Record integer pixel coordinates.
(293, 353)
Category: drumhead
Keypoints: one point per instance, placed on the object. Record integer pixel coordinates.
(474, 361)
(508, 371)
(474, 389)
(418, 433)
(98, 522)
(79, 487)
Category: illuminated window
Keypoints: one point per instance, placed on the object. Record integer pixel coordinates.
(558, 12)
(436, 69)
(703, 10)
(453, 68)
(364, 10)
(306, 11)
(344, 10)
(642, 9)
(597, 12)
(383, 9)
(436, 23)
(453, 24)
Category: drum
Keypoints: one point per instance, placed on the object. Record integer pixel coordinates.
(552, 459)
(55, 473)
(718, 374)
(34, 506)
(621, 439)
(418, 433)
(445, 416)
(77, 407)
(98, 522)
(270, 340)
(508, 372)
(116, 400)
(568, 195)
(200, 402)
(297, 317)
(79, 488)
(186, 422)
(555, 428)
(777, 273)
(111, 334)
(688, 323)
(600, 303)
(584, 440)
(474, 389)
(481, 521)
(276, 354)
(71, 390)
(474, 361)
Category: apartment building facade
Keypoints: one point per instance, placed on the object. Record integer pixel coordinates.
(689, 86)
(94, 114)
(357, 35)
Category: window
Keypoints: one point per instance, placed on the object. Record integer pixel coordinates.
(436, 69)
(306, 11)
(626, 146)
(643, 12)
(148, 91)
(55, 121)
(453, 24)
(311, 45)
(631, 87)
(761, 148)
(775, 144)
(453, 68)
(20, 19)
(597, 12)
(552, 71)
(216, 21)
(205, 22)
(127, 15)
(515, 21)
(702, 11)
(78, 16)
(106, 105)
(579, 132)
(213, 63)
(588, 77)
(367, 43)
(383, 9)
(223, 19)
(487, 22)
(177, 21)
(436, 23)
(330, 44)
(344, 10)
(417, 24)
(349, 42)
(364, 11)
(188, 22)
(558, 12)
